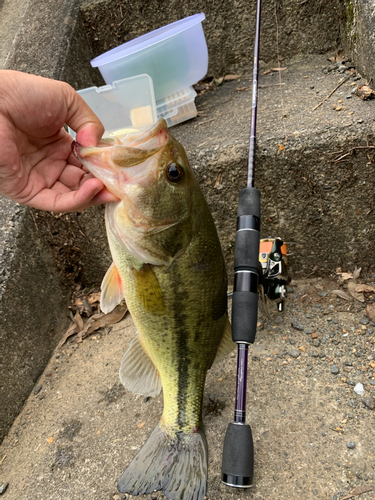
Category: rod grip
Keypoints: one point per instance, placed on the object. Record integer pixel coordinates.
(246, 267)
(238, 456)
(244, 317)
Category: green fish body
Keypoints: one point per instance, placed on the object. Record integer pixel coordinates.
(168, 264)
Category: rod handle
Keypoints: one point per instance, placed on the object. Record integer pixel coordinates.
(238, 456)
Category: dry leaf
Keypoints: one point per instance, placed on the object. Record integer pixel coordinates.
(96, 321)
(266, 72)
(370, 309)
(352, 290)
(70, 331)
(279, 69)
(229, 78)
(358, 491)
(341, 294)
(78, 321)
(365, 288)
(141, 425)
(364, 92)
(94, 297)
(357, 272)
(346, 276)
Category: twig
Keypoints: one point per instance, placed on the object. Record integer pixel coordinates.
(333, 91)
(242, 89)
(2, 460)
(337, 160)
(206, 121)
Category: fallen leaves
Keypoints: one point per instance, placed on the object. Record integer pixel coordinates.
(94, 322)
(338, 57)
(365, 92)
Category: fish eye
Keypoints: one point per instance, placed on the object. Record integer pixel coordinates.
(174, 172)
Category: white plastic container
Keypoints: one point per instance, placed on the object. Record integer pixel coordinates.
(174, 56)
(178, 107)
(125, 106)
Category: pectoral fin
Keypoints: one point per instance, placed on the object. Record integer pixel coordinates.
(112, 293)
(137, 372)
(226, 345)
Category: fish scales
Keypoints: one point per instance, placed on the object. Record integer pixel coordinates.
(169, 266)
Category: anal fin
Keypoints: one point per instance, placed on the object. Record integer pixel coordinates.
(137, 372)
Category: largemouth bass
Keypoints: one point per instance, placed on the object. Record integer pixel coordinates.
(168, 264)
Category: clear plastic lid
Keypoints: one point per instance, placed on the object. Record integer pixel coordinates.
(124, 106)
(147, 40)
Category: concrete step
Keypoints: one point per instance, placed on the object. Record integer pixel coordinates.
(80, 429)
(313, 167)
(323, 206)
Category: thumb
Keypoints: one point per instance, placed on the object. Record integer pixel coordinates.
(82, 119)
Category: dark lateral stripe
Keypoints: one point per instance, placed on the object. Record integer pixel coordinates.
(180, 321)
(245, 281)
(251, 222)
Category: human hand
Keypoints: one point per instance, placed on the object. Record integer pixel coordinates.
(37, 167)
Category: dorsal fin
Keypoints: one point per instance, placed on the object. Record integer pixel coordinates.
(112, 293)
(137, 372)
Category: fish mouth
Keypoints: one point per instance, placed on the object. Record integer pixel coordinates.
(132, 160)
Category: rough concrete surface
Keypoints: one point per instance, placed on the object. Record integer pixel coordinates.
(80, 428)
(312, 194)
(358, 33)
(32, 308)
(11, 17)
(229, 27)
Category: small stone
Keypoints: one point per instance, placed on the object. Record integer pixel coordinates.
(364, 321)
(279, 320)
(316, 343)
(146, 399)
(314, 354)
(358, 389)
(350, 445)
(212, 398)
(335, 370)
(292, 342)
(294, 353)
(296, 324)
(308, 331)
(314, 335)
(369, 402)
(37, 389)
(3, 488)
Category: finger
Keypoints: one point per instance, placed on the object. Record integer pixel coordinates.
(87, 195)
(82, 119)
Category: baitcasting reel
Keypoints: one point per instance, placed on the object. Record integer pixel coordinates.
(274, 278)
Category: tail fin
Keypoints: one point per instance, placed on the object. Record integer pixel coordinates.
(176, 464)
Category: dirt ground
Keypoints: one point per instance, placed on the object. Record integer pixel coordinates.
(314, 436)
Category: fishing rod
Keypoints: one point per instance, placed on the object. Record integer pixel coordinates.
(238, 452)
